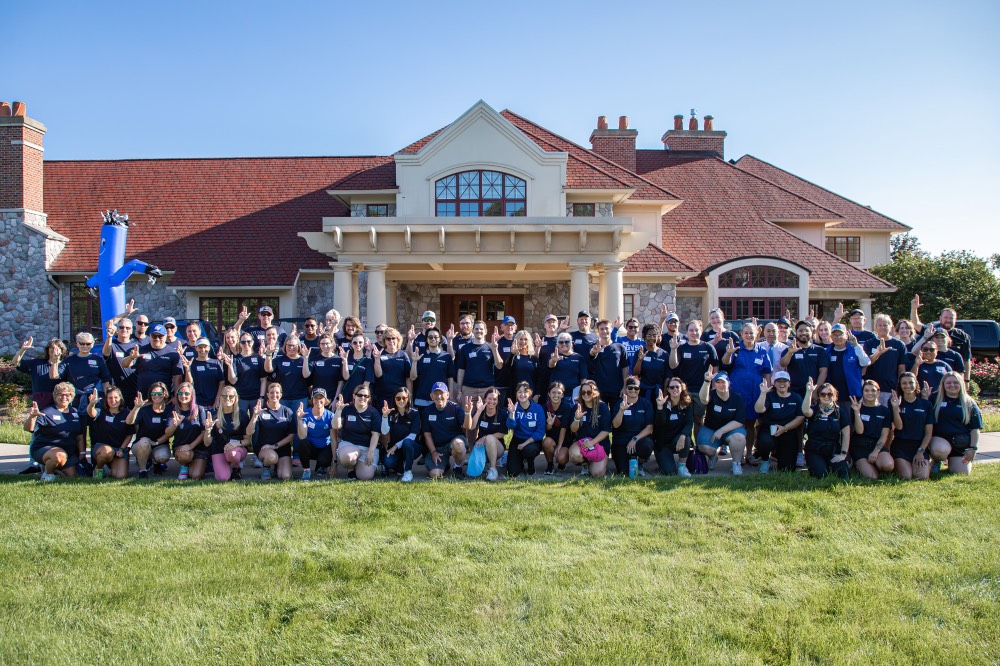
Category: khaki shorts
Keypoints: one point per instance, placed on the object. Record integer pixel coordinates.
(362, 451)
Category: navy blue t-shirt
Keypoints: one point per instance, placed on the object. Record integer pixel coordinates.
(395, 373)
(405, 425)
(39, 369)
(671, 422)
(206, 375)
(432, 367)
(805, 364)
(110, 429)
(953, 359)
(356, 427)
(309, 344)
(445, 424)
(157, 365)
(87, 372)
(949, 419)
(608, 367)
(359, 371)
(288, 372)
(570, 369)
(259, 334)
(326, 373)
(634, 419)
(521, 368)
(562, 416)
(582, 342)
(932, 373)
(885, 369)
(249, 371)
(55, 428)
(504, 346)
(591, 429)
(420, 343)
(477, 362)
(273, 425)
(188, 429)
(151, 424)
(719, 413)
(693, 361)
(823, 430)
(916, 416)
(781, 410)
(874, 420)
(655, 369)
(491, 425)
(124, 378)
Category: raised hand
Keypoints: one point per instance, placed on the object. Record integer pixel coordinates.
(306, 350)
(225, 358)
(894, 399)
(175, 420)
(368, 346)
(467, 403)
(244, 313)
(130, 308)
(450, 334)
(510, 406)
(538, 342)
(411, 335)
(479, 404)
(376, 353)
(810, 385)
(640, 353)
(93, 398)
(139, 401)
(110, 330)
(855, 404)
(258, 407)
(300, 411)
(579, 412)
(342, 353)
(674, 343)
(209, 421)
(838, 314)
(793, 344)
(321, 328)
(926, 391)
(496, 333)
(915, 303)
(186, 363)
(764, 388)
(339, 406)
(618, 322)
(495, 338)
(295, 330)
(730, 346)
(563, 325)
(709, 376)
(385, 408)
(550, 420)
(34, 412)
(660, 399)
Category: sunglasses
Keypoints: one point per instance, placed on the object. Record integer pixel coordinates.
(633, 327)
(674, 388)
(401, 398)
(826, 394)
(85, 344)
(310, 325)
(228, 397)
(157, 336)
(358, 342)
(179, 393)
(246, 342)
(565, 342)
(586, 393)
(156, 394)
(142, 323)
(125, 327)
(169, 326)
(378, 332)
(631, 388)
(363, 396)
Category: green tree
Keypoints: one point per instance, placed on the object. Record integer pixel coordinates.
(957, 279)
(905, 244)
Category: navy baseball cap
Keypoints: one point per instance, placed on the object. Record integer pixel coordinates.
(582, 313)
(439, 386)
(856, 311)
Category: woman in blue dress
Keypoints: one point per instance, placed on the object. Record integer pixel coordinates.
(749, 364)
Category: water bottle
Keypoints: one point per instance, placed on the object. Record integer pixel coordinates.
(633, 467)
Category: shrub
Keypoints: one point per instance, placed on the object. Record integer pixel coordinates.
(986, 374)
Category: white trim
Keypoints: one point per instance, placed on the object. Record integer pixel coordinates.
(481, 291)
(23, 210)
(455, 169)
(20, 142)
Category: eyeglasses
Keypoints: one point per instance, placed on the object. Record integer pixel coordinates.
(310, 325)
(358, 342)
(156, 394)
(363, 396)
(401, 398)
(169, 326)
(674, 388)
(185, 393)
(226, 396)
(565, 342)
(633, 327)
(84, 344)
(380, 332)
(587, 392)
(157, 336)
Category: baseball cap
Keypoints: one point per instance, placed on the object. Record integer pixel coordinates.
(939, 330)
(856, 311)
(582, 313)
(170, 321)
(673, 317)
(439, 386)
(203, 341)
(158, 330)
(785, 321)
(781, 374)
(429, 314)
(838, 327)
(319, 391)
(509, 320)
(722, 374)
(266, 309)
(551, 316)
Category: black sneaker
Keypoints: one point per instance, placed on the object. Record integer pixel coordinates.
(237, 474)
(459, 473)
(561, 468)
(322, 471)
(159, 468)
(143, 474)
(352, 475)
(31, 469)
(550, 469)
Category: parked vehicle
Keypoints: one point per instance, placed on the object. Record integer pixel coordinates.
(208, 330)
(985, 334)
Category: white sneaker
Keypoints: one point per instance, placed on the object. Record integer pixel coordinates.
(503, 460)
(737, 468)
(683, 471)
(492, 474)
(713, 460)
(407, 476)
(45, 476)
(257, 463)
(641, 471)
(306, 474)
(585, 470)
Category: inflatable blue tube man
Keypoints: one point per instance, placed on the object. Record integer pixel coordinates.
(112, 271)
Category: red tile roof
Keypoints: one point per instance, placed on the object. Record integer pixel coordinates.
(225, 222)
(855, 215)
(724, 217)
(652, 259)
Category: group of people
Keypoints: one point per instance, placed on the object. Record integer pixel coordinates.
(467, 401)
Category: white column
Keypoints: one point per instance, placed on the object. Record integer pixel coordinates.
(376, 313)
(343, 300)
(614, 299)
(579, 289)
(602, 294)
(866, 305)
(391, 306)
(355, 295)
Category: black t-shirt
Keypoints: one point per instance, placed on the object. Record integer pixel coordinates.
(249, 371)
(874, 420)
(123, 378)
(432, 367)
(443, 424)
(189, 427)
(151, 424)
(110, 429)
(55, 428)
(805, 364)
(916, 416)
(609, 367)
(273, 425)
(157, 365)
(590, 428)
(949, 419)
(356, 427)
(885, 369)
(288, 372)
(87, 372)
(781, 410)
(824, 429)
(395, 373)
(491, 425)
(206, 376)
(719, 412)
(671, 422)
(693, 361)
(327, 372)
(634, 419)
(39, 369)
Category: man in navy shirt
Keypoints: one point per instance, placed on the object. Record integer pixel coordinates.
(118, 344)
(464, 336)
(545, 346)
(583, 338)
(430, 369)
(265, 315)
(444, 426)
(804, 360)
(157, 363)
(959, 340)
(476, 363)
(419, 342)
(87, 369)
(671, 326)
(630, 340)
(608, 364)
(857, 323)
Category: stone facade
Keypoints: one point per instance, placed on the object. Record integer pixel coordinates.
(690, 307)
(314, 297)
(651, 297)
(28, 303)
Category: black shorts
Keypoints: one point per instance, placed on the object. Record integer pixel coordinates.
(906, 449)
(282, 451)
(861, 448)
(958, 449)
(72, 455)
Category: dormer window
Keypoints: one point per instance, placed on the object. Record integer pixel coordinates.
(480, 194)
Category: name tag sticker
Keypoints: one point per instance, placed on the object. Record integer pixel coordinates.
(866, 417)
(267, 417)
(801, 357)
(834, 358)
(92, 362)
(120, 354)
(531, 424)
(352, 418)
(311, 424)
(285, 364)
(57, 418)
(147, 356)
(628, 412)
(200, 368)
(758, 361)
(320, 364)
(109, 419)
(427, 360)
(718, 408)
(675, 417)
(432, 417)
(484, 424)
(687, 354)
(155, 419)
(775, 405)
(472, 354)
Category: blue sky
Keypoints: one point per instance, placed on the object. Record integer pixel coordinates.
(893, 104)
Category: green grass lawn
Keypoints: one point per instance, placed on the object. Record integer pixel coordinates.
(756, 570)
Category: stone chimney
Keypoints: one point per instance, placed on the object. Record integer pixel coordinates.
(617, 145)
(20, 159)
(706, 140)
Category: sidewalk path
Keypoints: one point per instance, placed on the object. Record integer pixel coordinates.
(14, 458)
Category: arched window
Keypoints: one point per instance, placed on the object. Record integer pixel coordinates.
(480, 194)
(758, 277)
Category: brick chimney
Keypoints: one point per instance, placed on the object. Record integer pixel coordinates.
(20, 159)
(706, 140)
(617, 145)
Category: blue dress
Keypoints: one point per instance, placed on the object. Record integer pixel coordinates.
(746, 370)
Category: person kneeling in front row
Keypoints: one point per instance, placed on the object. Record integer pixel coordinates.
(725, 413)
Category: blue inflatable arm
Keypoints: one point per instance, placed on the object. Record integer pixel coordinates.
(112, 271)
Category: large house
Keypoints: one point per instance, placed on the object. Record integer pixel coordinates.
(492, 215)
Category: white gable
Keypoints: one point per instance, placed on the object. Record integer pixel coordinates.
(481, 139)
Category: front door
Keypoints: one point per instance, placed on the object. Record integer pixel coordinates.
(491, 308)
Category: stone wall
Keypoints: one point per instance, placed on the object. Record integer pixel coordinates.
(28, 303)
(156, 301)
(314, 297)
(539, 300)
(651, 297)
(690, 307)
